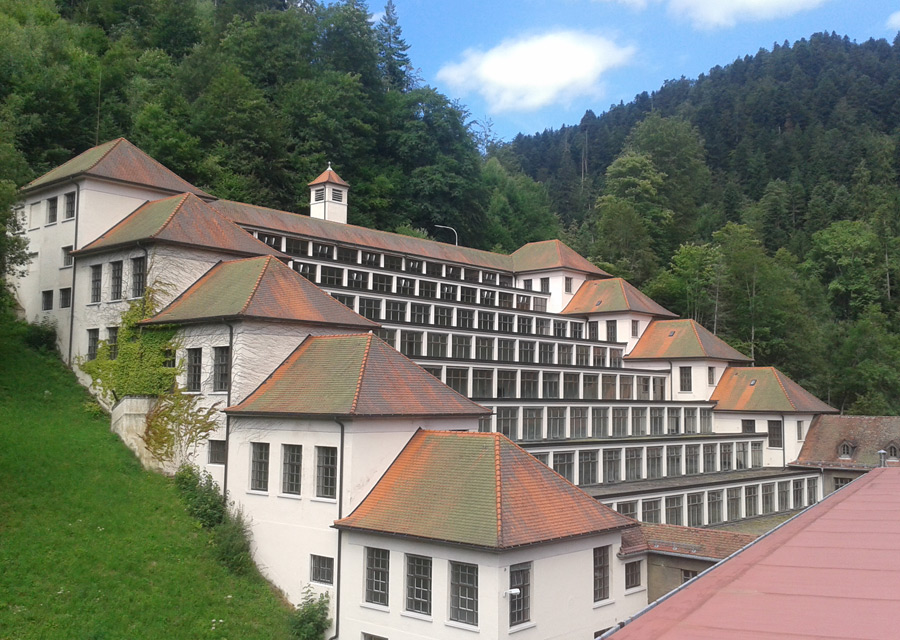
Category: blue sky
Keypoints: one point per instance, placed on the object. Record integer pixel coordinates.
(529, 65)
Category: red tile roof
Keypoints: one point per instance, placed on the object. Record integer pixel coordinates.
(477, 489)
(865, 434)
(764, 389)
(684, 541)
(353, 375)
(831, 572)
(184, 219)
(613, 295)
(262, 287)
(682, 339)
(121, 161)
(551, 254)
(329, 175)
(291, 223)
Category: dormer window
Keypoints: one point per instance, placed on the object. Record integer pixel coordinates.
(845, 450)
(337, 195)
(319, 194)
(892, 451)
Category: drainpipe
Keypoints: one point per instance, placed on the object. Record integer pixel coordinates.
(74, 271)
(783, 442)
(228, 403)
(337, 579)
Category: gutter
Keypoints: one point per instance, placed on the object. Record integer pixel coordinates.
(337, 579)
(74, 272)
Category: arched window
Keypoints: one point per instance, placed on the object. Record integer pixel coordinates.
(845, 450)
(892, 451)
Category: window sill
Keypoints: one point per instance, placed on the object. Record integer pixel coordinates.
(72, 219)
(375, 607)
(50, 224)
(634, 590)
(322, 584)
(604, 603)
(218, 393)
(522, 627)
(256, 492)
(92, 304)
(192, 393)
(325, 500)
(416, 616)
(65, 266)
(293, 496)
(462, 625)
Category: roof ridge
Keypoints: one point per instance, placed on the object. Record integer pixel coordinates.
(115, 143)
(783, 389)
(498, 489)
(624, 293)
(697, 335)
(255, 286)
(362, 370)
(177, 208)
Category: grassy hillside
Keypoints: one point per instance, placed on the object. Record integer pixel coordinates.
(92, 546)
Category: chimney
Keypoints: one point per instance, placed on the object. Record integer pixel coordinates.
(882, 458)
(328, 197)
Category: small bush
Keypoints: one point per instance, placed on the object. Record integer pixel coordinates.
(310, 620)
(41, 336)
(232, 540)
(201, 495)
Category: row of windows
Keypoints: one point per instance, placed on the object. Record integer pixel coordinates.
(112, 343)
(221, 370)
(559, 423)
(65, 299)
(613, 464)
(292, 469)
(417, 344)
(52, 209)
(117, 281)
(525, 384)
(701, 508)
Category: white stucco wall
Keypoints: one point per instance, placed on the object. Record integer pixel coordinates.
(728, 422)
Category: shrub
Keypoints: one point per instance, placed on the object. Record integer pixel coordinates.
(41, 336)
(201, 495)
(310, 620)
(232, 540)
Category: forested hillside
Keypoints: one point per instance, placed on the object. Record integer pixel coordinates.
(250, 99)
(761, 199)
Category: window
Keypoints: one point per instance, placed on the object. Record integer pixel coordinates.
(321, 569)
(635, 328)
(626, 387)
(556, 423)
(406, 286)
(705, 420)
(112, 342)
(711, 376)
(755, 455)
(323, 251)
(51, 210)
(587, 467)
(523, 303)
(462, 347)
(673, 510)
(741, 451)
(411, 343)
(465, 318)
(382, 283)
(483, 383)
(458, 380)
(725, 463)
(784, 495)
(634, 463)
(377, 574)
(453, 273)
(651, 511)
(611, 331)
(259, 466)
(695, 509)
(507, 422)
(601, 573)
(590, 387)
(347, 255)
(331, 276)
(485, 321)
(484, 422)
(551, 385)
(611, 464)
(468, 295)
(577, 330)
(420, 313)
(608, 387)
(93, 336)
(620, 422)
(435, 269)
(568, 284)
(582, 356)
(527, 284)
(193, 369)
(326, 472)
(638, 421)
(657, 415)
(96, 281)
(633, 574)
(484, 348)
(688, 575)
(65, 298)
(564, 354)
(464, 593)
(487, 298)
(751, 501)
(734, 504)
(395, 311)
(748, 426)
(845, 450)
(437, 345)
(296, 247)
(801, 432)
(643, 388)
(579, 420)
(684, 378)
(524, 325)
(448, 292)
(506, 384)
(768, 498)
(47, 300)
(692, 459)
(418, 584)
(532, 422)
(347, 301)
(526, 351)
(115, 285)
(269, 239)
(545, 352)
(520, 603)
(812, 491)
(654, 462)
(776, 434)
(564, 465)
(370, 308)
(690, 420)
(358, 279)
(838, 483)
(714, 507)
(600, 421)
(138, 277)
(559, 328)
(67, 258)
(221, 368)
(674, 420)
(291, 459)
(627, 508)
(217, 451)
(306, 270)
(70, 206)
(709, 458)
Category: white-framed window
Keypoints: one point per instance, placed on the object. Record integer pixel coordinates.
(418, 584)
(635, 328)
(776, 434)
(67, 258)
(51, 210)
(326, 472)
(711, 376)
(69, 212)
(217, 451)
(115, 280)
(93, 336)
(464, 593)
(519, 594)
(845, 450)
(633, 574)
(568, 284)
(685, 382)
(193, 369)
(96, 281)
(378, 563)
(801, 430)
(65, 298)
(291, 468)
(112, 342)
(138, 277)
(321, 569)
(221, 368)
(47, 300)
(259, 466)
(601, 573)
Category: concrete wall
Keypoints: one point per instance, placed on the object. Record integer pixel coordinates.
(731, 422)
(664, 573)
(128, 421)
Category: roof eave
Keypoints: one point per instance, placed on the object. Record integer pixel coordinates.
(239, 316)
(86, 251)
(87, 174)
(348, 415)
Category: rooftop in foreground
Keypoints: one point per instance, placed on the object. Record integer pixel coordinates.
(831, 572)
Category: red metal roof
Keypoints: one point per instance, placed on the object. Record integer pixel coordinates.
(353, 375)
(684, 541)
(682, 339)
(831, 572)
(183, 219)
(764, 389)
(262, 287)
(613, 295)
(329, 175)
(866, 435)
(121, 161)
(478, 489)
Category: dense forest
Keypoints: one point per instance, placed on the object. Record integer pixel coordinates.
(762, 199)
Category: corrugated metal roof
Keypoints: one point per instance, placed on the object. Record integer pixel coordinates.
(680, 339)
(353, 375)
(764, 389)
(613, 295)
(477, 489)
(182, 219)
(122, 161)
(865, 434)
(831, 572)
(684, 541)
(260, 287)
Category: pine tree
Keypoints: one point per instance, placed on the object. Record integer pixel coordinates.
(394, 62)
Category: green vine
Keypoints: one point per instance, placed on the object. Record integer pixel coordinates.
(176, 425)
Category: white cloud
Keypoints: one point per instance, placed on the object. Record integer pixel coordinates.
(893, 21)
(528, 73)
(713, 14)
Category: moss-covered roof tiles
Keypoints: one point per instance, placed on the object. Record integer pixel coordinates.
(353, 375)
(682, 339)
(481, 490)
(613, 295)
(766, 390)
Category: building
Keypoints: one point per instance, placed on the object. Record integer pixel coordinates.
(830, 572)
(329, 347)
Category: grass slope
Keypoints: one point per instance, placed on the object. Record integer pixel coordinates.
(92, 546)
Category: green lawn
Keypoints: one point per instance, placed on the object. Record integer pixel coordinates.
(92, 546)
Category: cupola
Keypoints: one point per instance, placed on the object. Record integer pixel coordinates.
(328, 197)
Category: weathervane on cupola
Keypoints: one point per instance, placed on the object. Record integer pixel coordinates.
(328, 197)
